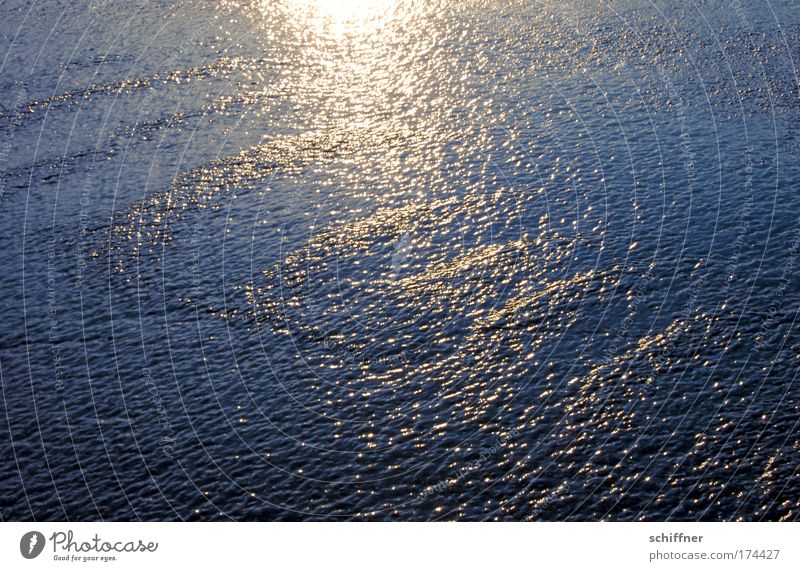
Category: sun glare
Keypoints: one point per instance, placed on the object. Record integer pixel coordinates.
(346, 15)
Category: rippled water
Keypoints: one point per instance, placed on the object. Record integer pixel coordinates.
(389, 260)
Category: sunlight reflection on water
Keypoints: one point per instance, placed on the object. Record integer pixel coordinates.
(361, 246)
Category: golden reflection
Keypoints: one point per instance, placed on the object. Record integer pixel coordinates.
(343, 16)
(352, 68)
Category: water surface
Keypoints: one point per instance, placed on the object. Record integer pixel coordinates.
(394, 260)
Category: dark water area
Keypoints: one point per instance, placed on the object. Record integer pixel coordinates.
(393, 260)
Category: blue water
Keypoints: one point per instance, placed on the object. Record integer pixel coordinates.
(393, 260)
